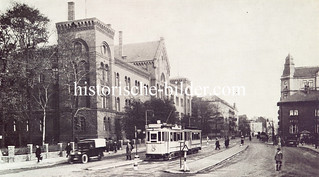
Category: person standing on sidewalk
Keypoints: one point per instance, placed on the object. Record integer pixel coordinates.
(227, 142)
(68, 150)
(278, 159)
(242, 140)
(217, 144)
(38, 153)
(128, 151)
(115, 146)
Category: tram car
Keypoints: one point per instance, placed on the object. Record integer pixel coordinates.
(165, 141)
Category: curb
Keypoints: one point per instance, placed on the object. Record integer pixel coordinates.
(223, 160)
(302, 147)
(114, 166)
(212, 166)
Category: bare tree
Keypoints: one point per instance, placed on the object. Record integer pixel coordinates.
(75, 70)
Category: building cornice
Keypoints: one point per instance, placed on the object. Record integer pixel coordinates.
(85, 24)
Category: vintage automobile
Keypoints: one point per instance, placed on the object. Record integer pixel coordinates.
(87, 149)
(291, 141)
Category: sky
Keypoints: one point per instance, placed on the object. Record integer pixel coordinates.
(214, 43)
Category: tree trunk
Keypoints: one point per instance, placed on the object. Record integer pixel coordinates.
(43, 126)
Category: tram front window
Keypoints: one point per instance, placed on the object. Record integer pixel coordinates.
(153, 137)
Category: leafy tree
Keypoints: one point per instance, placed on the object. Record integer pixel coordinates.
(243, 125)
(22, 30)
(206, 115)
(163, 110)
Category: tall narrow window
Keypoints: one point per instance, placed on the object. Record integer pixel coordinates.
(310, 83)
(40, 124)
(14, 126)
(82, 123)
(293, 129)
(129, 83)
(118, 104)
(105, 124)
(103, 102)
(27, 125)
(118, 79)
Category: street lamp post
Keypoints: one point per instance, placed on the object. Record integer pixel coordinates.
(136, 131)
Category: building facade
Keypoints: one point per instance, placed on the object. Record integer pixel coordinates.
(256, 127)
(299, 102)
(93, 77)
(226, 124)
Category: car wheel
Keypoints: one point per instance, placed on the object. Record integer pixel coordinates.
(85, 158)
(99, 157)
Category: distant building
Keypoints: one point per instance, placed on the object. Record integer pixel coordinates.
(256, 127)
(227, 122)
(299, 102)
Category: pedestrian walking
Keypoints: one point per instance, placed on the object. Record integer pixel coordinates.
(128, 151)
(68, 149)
(278, 159)
(242, 140)
(226, 142)
(38, 153)
(249, 137)
(115, 146)
(217, 144)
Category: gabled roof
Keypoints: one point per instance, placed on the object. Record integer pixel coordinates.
(138, 51)
(302, 96)
(306, 71)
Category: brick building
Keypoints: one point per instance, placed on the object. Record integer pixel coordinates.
(87, 58)
(299, 102)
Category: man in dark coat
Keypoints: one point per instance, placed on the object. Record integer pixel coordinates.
(242, 140)
(128, 151)
(226, 142)
(217, 144)
(68, 150)
(38, 153)
(115, 146)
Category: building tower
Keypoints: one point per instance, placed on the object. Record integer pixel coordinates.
(287, 78)
(86, 49)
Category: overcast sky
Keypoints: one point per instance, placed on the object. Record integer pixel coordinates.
(213, 42)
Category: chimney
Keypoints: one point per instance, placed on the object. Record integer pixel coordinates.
(120, 44)
(71, 11)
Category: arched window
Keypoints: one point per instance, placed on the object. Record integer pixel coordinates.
(77, 48)
(27, 125)
(109, 122)
(104, 124)
(40, 124)
(82, 123)
(14, 125)
(118, 104)
(104, 49)
(163, 77)
(129, 83)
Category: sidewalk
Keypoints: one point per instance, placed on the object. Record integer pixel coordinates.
(54, 161)
(198, 165)
(311, 147)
